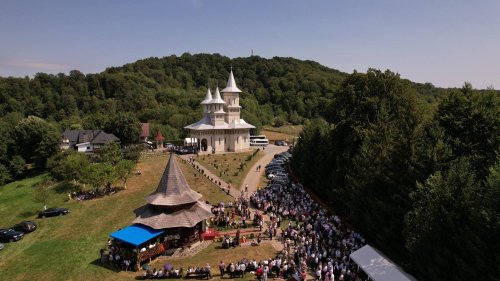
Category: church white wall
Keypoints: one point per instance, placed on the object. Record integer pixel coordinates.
(223, 140)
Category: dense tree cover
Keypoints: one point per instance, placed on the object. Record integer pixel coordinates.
(165, 92)
(24, 141)
(99, 171)
(419, 182)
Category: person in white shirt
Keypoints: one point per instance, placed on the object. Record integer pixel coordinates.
(243, 267)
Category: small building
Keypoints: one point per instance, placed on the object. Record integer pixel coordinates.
(378, 267)
(222, 129)
(173, 216)
(143, 137)
(86, 140)
(159, 138)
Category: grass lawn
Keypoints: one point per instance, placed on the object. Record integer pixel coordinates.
(214, 253)
(67, 247)
(228, 165)
(286, 132)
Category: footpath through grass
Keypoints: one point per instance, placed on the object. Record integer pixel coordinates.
(67, 247)
(231, 167)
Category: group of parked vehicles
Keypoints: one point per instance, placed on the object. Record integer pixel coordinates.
(17, 232)
(276, 170)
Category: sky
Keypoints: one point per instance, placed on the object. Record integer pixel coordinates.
(444, 42)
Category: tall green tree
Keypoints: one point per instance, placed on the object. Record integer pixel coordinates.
(123, 170)
(17, 166)
(111, 153)
(449, 229)
(42, 192)
(126, 127)
(36, 140)
(5, 176)
(100, 175)
(471, 122)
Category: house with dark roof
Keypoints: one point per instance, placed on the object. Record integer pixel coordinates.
(86, 140)
(144, 132)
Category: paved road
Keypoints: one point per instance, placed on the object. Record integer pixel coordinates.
(253, 176)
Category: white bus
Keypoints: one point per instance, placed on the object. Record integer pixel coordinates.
(259, 140)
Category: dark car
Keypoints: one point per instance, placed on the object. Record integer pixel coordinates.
(281, 143)
(10, 235)
(25, 226)
(51, 212)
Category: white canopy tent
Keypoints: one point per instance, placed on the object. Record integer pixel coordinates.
(377, 266)
(190, 142)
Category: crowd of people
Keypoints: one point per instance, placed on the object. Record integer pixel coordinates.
(162, 273)
(264, 269)
(119, 256)
(234, 215)
(313, 239)
(317, 239)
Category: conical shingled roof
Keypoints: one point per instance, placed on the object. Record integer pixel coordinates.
(173, 189)
(231, 85)
(217, 98)
(208, 97)
(159, 136)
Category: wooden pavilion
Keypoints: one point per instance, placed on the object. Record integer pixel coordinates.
(174, 207)
(173, 216)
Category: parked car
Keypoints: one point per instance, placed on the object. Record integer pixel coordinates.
(25, 226)
(10, 235)
(51, 212)
(281, 143)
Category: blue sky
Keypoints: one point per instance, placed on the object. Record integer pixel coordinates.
(444, 42)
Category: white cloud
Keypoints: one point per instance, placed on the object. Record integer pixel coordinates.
(34, 64)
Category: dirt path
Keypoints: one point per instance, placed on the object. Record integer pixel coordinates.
(253, 176)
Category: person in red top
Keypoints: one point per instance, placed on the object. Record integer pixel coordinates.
(303, 275)
(259, 273)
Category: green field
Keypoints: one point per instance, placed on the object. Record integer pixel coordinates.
(286, 132)
(226, 166)
(67, 247)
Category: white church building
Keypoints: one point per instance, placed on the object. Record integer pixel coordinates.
(221, 129)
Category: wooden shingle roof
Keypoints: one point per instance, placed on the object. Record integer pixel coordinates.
(185, 217)
(173, 189)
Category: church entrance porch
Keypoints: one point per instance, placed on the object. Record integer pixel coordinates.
(204, 144)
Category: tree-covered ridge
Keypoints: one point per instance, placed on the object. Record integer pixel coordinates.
(420, 181)
(163, 91)
(167, 91)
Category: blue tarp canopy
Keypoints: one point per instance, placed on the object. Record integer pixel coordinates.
(136, 234)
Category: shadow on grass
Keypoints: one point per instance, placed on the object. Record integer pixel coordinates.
(27, 214)
(97, 262)
(66, 187)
